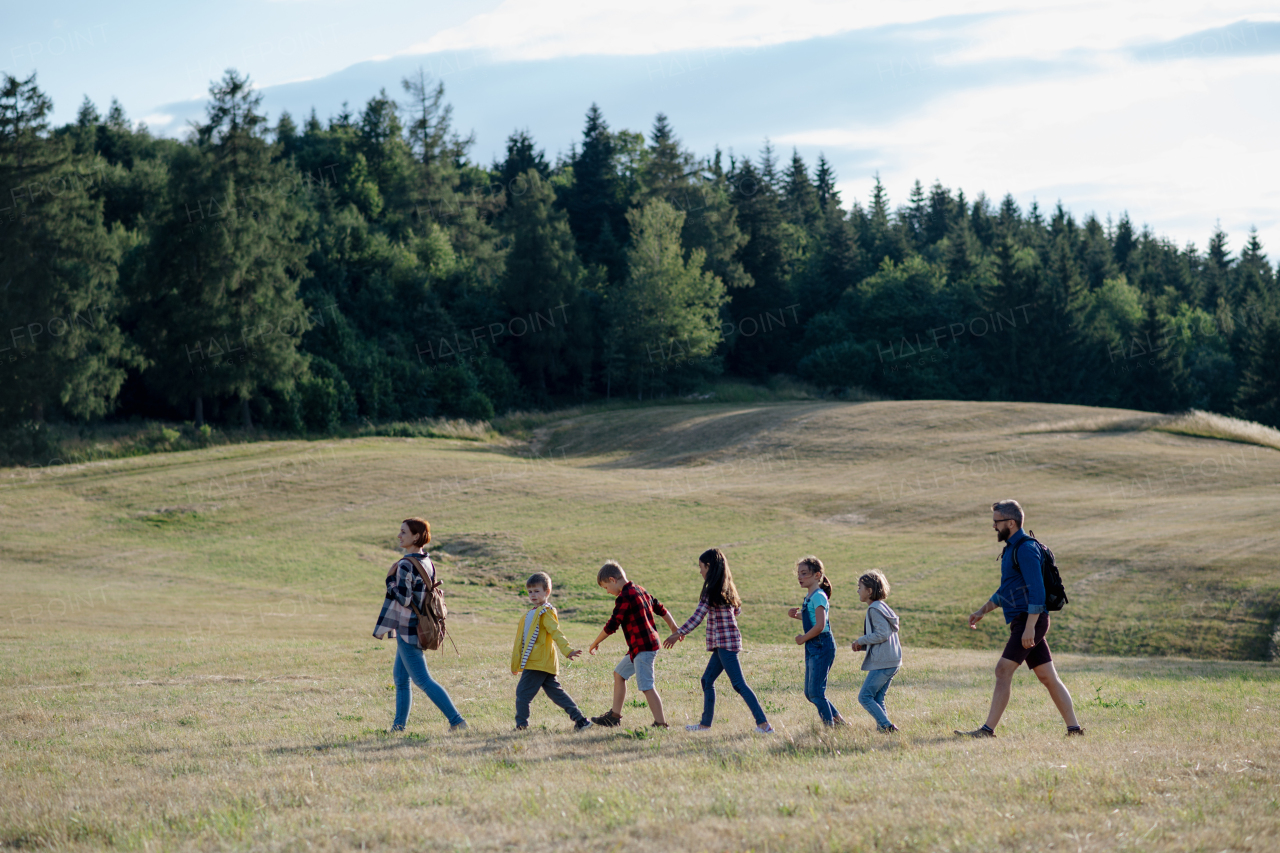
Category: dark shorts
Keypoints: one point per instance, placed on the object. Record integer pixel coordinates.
(1037, 654)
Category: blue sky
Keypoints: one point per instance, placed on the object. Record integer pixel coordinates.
(1166, 110)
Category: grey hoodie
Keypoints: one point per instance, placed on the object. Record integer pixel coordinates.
(881, 638)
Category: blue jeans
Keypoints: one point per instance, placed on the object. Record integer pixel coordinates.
(872, 694)
(819, 655)
(726, 661)
(410, 664)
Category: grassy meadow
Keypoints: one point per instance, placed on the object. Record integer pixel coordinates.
(186, 662)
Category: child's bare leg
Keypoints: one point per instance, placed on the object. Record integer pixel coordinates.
(655, 705)
(619, 694)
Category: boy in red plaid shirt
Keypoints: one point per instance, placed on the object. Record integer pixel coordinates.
(634, 614)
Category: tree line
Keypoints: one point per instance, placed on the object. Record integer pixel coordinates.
(307, 276)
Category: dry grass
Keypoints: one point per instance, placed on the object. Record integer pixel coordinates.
(273, 737)
(1194, 422)
(185, 661)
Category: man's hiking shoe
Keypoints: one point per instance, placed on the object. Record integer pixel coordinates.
(696, 727)
(607, 719)
(887, 729)
(764, 729)
(978, 732)
(657, 725)
(1077, 731)
(584, 723)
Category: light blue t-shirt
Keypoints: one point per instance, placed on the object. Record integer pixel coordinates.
(809, 610)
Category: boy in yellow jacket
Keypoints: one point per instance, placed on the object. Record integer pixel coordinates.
(534, 654)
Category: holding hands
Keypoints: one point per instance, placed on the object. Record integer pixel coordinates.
(670, 642)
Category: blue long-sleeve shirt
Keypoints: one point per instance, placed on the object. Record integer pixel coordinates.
(1021, 589)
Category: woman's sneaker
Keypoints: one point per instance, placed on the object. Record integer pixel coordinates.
(764, 729)
(607, 719)
(887, 729)
(459, 727)
(584, 723)
(697, 727)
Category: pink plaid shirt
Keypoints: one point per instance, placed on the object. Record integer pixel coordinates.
(722, 626)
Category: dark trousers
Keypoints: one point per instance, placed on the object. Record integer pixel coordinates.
(531, 681)
(727, 662)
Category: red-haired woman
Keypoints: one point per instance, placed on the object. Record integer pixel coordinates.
(404, 585)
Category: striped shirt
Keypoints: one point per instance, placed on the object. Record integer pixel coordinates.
(722, 626)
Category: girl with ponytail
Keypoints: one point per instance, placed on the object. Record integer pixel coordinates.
(818, 641)
(720, 605)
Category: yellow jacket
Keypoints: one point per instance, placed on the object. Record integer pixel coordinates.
(542, 657)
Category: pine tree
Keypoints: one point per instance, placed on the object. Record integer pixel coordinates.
(667, 310)
(1124, 242)
(58, 272)
(937, 219)
(225, 320)
(800, 198)
(669, 170)
(915, 217)
(712, 225)
(824, 179)
(1217, 272)
(522, 155)
(541, 283)
(596, 201)
(1258, 396)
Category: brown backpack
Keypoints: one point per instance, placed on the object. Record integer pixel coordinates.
(432, 614)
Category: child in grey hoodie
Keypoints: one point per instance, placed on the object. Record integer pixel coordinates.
(880, 640)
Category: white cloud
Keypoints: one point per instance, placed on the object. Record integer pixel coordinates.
(155, 120)
(543, 29)
(1179, 145)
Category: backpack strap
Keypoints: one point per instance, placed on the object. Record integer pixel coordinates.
(1030, 538)
(430, 582)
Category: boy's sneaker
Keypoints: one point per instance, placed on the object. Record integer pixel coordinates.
(607, 719)
(584, 723)
(764, 729)
(696, 727)
(978, 732)
(459, 727)
(887, 729)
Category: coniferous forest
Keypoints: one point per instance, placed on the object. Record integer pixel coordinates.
(362, 267)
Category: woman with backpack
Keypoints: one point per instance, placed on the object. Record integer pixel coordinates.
(408, 596)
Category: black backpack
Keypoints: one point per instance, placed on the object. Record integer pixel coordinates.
(1055, 594)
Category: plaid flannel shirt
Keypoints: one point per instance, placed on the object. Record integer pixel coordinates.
(403, 585)
(634, 612)
(722, 626)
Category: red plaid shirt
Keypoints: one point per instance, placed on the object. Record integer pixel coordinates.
(722, 626)
(634, 612)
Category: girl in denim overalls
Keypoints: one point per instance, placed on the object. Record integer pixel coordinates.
(817, 639)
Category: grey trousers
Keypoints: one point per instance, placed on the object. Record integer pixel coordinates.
(531, 681)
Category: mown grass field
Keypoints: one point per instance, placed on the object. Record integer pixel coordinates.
(186, 661)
